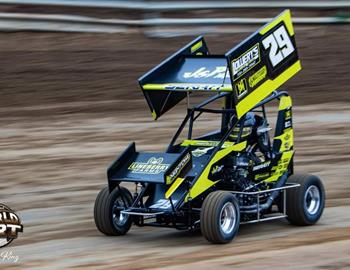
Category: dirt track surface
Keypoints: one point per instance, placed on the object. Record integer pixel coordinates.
(70, 103)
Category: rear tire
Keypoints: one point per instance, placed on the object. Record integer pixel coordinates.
(108, 218)
(220, 217)
(305, 204)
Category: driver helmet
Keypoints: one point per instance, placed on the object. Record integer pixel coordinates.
(248, 126)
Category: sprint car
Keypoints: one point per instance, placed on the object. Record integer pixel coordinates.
(238, 173)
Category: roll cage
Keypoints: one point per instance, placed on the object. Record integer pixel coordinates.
(227, 116)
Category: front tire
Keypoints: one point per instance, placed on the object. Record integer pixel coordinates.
(108, 218)
(220, 217)
(305, 204)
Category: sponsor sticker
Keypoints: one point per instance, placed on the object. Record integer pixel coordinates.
(245, 61)
(288, 114)
(288, 124)
(217, 169)
(241, 88)
(175, 173)
(262, 166)
(152, 166)
(201, 151)
(261, 176)
(257, 76)
(194, 87)
(220, 72)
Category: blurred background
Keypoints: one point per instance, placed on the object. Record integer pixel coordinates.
(70, 103)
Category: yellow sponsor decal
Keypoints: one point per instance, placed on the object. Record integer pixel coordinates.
(285, 103)
(196, 46)
(154, 115)
(282, 166)
(246, 104)
(287, 140)
(261, 176)
(203, 182)
(206, 143)
(288, 115)
(257, 77)
(241, 88)
(173, 187)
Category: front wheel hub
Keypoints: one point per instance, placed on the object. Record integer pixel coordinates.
(119, 218)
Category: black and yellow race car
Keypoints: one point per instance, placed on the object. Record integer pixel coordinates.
(230, 176)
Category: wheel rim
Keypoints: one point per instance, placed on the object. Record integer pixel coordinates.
(312, 200)
(227, 218)
(119, 219)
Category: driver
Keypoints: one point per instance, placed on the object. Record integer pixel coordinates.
(255, 132)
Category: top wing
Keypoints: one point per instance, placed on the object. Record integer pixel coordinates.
(263, 62)
(189, 69)
(194, 73)
(251, 71)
